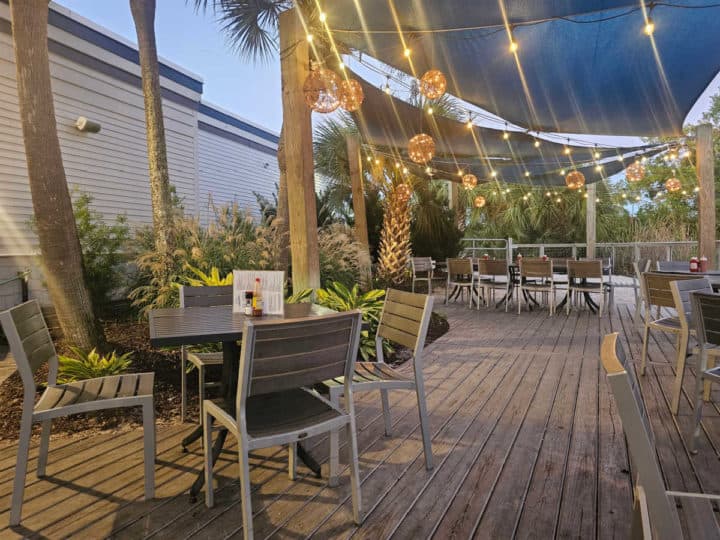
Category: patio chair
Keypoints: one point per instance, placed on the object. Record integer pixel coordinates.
(681, 292)
(654, 510)
(640, 267)
(489, 272)
(32, 348)
(536, 275)
(460, 277)
(422, 270)
(404, 321)
(673, 266)
(579, 272)
(279, 360)
(656, 287)
(705, 307)
(200, 297)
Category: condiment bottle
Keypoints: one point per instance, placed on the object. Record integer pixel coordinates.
(248, 303)
(257, 310)
(694, 264)
(703, 264)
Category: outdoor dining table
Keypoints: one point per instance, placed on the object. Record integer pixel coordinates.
(197, 325)
(713, 276)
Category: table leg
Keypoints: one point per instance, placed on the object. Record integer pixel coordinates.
(200, 480)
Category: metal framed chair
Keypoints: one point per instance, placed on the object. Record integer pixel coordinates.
(279, 360)
(579, 272)
(656, 287)
(706, 316)
(32, 347)
(673, 266)
(404, 320)
(536, 275)
(460, 277)
(200, 297)
(640, 267)
(422, 270)
(655, 511)
(682, 291)
(490, 271)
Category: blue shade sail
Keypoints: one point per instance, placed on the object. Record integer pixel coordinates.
(592, 71)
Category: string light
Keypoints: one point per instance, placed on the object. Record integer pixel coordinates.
(430, 110)
(506, 135)
(323, 16)
(407, 52)
(567, 148)
(562, 172)
(649, 23)
(405, 170)
(513, 44)
(537, 143)
(527, 173)
(377, 161)
(598, 168)
(597, 199)
(493, 174)
(369, 159)
(310, 38)
(387, 84)
(428, 170)
(697, 189)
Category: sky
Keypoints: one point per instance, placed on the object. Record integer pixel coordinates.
(195, 42)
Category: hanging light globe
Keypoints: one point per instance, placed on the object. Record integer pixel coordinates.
(575, 180)
(433, 84)
(479, 201)
(403, 192)
(673, 184)
(635, 171)
(322, 90)
(351, 95)
(469, 181)
(421, 148)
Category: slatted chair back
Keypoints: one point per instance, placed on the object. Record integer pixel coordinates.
(30, 343)
(421, 264)
(559, 262)
(682, 291)
(293, 353)
(706, 317)
(673, 266)
(591, 268)
(536, 268)
(636, 425)
(208, 296)
(459, 267)
(492, 268)
(404, 320)
(657, 288)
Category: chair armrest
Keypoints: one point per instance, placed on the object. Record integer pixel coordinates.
(690, 495)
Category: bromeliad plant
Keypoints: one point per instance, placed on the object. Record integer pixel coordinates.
(338, 297)
(212, 279)
(88, 365)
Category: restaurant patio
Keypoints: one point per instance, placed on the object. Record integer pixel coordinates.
(546, 390)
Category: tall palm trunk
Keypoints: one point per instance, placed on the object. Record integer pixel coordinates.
(143, 12)
(394, 252)
(54, 220)
(282, 217)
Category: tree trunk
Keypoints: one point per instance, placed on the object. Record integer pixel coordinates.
(394, 252)
(358, 200)
(143, 12)
(54, 220)
(297, 137)
(281, 219)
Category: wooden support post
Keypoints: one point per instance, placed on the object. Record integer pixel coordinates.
(297, 135)
(706, 196)
(358, 200)
(590, 221)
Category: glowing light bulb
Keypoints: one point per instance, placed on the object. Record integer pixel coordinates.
(597, 199)
(506, 135)
(649, 26)
(637, 197)
(493, 174)
(342, 66)
(585, 195)
(598, 168)
(377, 162)
(624, 196)
(397, 165)
(428, 170)
(527, 173)
(469, 124)
(513, 45)
(596, 155)
(684, 192)
(369, 159)
(430, 110)
(310, 38)
(323, 16)
(697, 189)
(566, 150)
(562, 172)
(558, 200)
(548, 194)
(460, 172)
(407, 52)
(405, 170)
(537, 143)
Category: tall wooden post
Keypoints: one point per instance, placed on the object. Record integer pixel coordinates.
(590, 220)
(358, 200)
(297, 137)
(706, 195)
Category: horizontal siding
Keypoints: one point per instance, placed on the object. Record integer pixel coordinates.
(110, 165)
(230, 172)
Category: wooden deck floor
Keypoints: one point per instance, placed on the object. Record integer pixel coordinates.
(526, 439)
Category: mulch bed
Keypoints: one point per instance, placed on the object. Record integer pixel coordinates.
(124, 336)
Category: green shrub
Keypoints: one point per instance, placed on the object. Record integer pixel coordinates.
(338, 297)
(102, 245)
(88, 365)
(339, 255)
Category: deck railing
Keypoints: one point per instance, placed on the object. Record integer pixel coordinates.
(622, 254)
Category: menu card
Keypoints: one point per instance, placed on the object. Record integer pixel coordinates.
(272, 285)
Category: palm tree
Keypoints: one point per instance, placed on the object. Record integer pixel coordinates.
(54, 220)
(143, 12)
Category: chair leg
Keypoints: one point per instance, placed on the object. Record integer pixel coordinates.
(424, 422)
(245, 491)
(413, 285)
(386, 412)
(698, 403)
(21, 469)
(682, 344)
(149, 449)
(643, 356)
(334, 447)
(201, 391)
(710, 363)
(207, 450)
(292, 461)
(44, 448)
(519, 300)
(354, 472)
(183, 387)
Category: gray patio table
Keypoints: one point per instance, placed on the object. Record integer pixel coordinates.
(172, 327)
